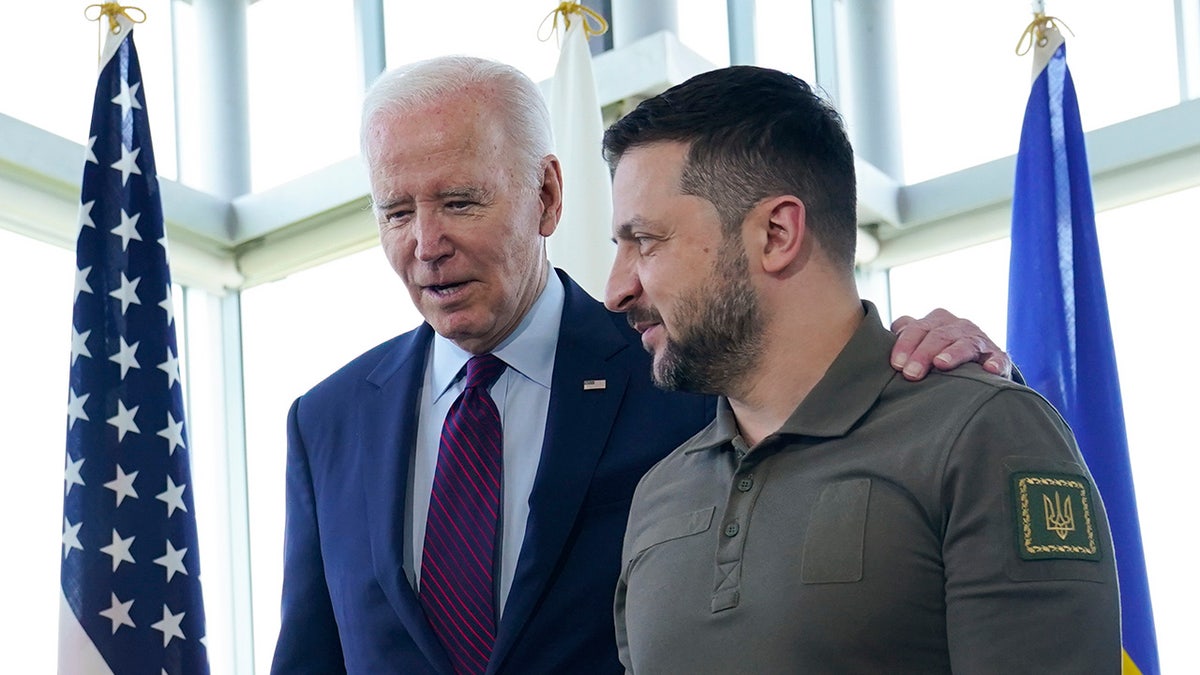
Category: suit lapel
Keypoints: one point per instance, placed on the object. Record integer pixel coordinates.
(577, 426)
(387, 446)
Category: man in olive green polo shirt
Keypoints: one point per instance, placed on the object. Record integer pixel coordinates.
(835, 517)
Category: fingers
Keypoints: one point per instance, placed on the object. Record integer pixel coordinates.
(918, 341)
(1000, 364)
(902, 323)
(943, 341)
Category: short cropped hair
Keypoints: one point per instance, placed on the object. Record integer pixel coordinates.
(754, 133)
(512, 94)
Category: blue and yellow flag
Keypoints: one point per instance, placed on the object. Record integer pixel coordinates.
(1058, 326)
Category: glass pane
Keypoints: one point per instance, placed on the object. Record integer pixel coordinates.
(303, 77)
(50, 71)
(202, 375)
(295, 332)
(963, 89)
(503, 31)
(1152, 299)
(704, 28)
(783, 37)
(37, 279)
(971, 282)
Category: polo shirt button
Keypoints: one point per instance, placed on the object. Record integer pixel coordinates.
(731, 530)
(745, 484)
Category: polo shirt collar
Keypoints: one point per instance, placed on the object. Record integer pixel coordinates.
(849, 389)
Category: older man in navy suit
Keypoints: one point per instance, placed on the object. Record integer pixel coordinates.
(386, 512)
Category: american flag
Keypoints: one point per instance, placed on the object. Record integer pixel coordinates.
(130, 565)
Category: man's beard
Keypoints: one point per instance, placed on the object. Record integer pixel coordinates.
(719, 329)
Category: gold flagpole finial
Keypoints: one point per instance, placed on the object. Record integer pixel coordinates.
(112, 10)
(1034, 34)
(593, 23)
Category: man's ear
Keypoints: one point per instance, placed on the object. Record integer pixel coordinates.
(784, 234)
(551, 195)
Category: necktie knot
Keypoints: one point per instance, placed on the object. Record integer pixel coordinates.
(484, 370)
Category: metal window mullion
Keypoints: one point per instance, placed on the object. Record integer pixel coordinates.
(742, 50)
(1187, 38)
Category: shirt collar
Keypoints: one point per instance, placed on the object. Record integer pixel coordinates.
(524, 350)
(849, 389)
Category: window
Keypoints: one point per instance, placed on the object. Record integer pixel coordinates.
(50, 52)
(295, 332)
(963, 89)
(33, 406)
(304, 88)
(504, 31)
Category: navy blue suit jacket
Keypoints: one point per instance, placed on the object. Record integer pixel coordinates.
(347, 603)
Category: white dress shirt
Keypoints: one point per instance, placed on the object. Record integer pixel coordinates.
(522, 394)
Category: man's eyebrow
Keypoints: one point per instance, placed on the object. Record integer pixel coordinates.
(625, 229)
(390, 203)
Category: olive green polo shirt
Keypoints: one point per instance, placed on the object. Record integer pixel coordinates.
(888, 526)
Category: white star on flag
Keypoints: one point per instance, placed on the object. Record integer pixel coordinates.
(81, 282)
(168, 304)
(127, 164)
(172, 497)
(127, 229)
(123, 420)
(119, 550)
(91, 153)
(75, 409)
(173, 433)
(169, 626)
(170, 367)
(71, 474)
(128, 97)
(122, 485)
(127, 293)
(118, 613)
(126, 356)
(70, 537)
(79, 344)
(172, 560)
(85, 212)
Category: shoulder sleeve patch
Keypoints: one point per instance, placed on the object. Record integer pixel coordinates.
(1054, 515)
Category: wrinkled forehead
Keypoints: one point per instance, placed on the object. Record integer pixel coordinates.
(413, 137)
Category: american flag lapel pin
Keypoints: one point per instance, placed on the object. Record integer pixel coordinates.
(594, 385)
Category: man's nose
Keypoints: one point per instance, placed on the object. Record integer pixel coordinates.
(623, 285)
(430, 233)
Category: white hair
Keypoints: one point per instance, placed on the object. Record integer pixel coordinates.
(516, 99)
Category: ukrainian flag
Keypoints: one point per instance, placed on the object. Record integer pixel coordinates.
(1058, 326)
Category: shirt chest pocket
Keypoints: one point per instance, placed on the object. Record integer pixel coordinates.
(833, 544)
(671, 528)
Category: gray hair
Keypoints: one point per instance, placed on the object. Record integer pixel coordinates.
(515, 97)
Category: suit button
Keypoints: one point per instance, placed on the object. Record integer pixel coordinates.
(731, 530)
(745, 484)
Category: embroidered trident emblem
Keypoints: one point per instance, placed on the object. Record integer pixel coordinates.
(1060, 518)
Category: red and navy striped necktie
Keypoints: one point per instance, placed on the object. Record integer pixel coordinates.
(457, 565)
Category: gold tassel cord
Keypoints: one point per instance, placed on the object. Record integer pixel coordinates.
(1035, 33)
(593, 23)
(112, 10)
